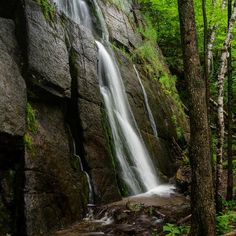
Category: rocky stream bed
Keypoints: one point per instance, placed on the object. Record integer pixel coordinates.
(139, 215)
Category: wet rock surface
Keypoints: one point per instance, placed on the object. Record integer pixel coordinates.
(48, 60)
(12, 85)
(138, 215)
(91, 115)
(12, 127)
(55, 190)
(120, 23)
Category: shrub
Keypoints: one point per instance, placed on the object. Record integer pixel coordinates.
(173, 230)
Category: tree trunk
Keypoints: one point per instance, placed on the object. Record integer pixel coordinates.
(223, 3)
(205, 44)
(202, 194)
(210, 48)
(211, 40)
(206, 72)
(221, 124)
(229, 195)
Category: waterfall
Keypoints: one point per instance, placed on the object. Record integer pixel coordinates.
(76, 10)
(137, 169)
(105, 33)
(150, 115)
(133, 157)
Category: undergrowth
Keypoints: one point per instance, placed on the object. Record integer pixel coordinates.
(173, 230)
(226, 220)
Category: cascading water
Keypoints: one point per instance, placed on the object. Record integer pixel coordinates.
(137, 169)
(150, 115)
(76, 10)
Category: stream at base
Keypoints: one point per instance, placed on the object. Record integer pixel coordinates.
(139, 215)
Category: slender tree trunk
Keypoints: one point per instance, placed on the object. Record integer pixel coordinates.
(202, 196)
(210, 49)
(205, 43)
(211, 40)
(208, 45)
(206, 72)
(223, 3)
(229, 195)
(221, 124)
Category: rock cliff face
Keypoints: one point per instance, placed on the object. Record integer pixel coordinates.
(48, 81)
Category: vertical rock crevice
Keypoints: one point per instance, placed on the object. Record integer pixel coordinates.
(73, 116)
(87, 113)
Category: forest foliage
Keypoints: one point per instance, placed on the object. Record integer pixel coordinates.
(162, 24)
(164, 18)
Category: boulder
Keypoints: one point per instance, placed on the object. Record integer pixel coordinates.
(183, 178)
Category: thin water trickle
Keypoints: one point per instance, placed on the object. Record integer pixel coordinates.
(91, 197)
(150, 115)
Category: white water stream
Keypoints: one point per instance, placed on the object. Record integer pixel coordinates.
(137, 169)
(76, 10)
(150, 115)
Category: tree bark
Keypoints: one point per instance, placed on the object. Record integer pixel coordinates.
(210, 48)
(223, 3)
(205, 44)
(202, 194)
(229, 195)
(221, 123)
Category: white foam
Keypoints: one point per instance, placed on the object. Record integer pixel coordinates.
(164, 190)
